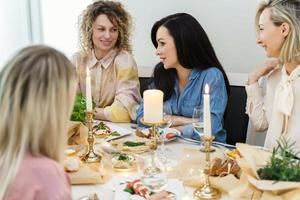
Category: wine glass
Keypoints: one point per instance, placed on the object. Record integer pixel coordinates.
(198, 120)
(168, 119)
(152, 172)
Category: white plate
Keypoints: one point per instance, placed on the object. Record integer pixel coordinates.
(115, 127)
(172, 185)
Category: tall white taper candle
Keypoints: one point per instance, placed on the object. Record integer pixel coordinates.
(88, 92)
(206, 113)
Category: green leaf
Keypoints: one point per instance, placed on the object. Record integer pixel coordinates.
(133, 144)
(115, 133)
(129, 190)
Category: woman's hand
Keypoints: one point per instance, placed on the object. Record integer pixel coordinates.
(180, 121)
(267, 67)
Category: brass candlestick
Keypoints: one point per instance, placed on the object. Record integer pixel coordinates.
(153, 169)
(90, 156)
(207, 191)
(154, 135)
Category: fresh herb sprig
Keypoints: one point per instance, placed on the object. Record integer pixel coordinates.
(123, 157)
(133, 144)
(282, 165)
(101, 126)
(115, 133)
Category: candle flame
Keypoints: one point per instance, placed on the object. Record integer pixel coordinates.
(206, 89)
(87, 72)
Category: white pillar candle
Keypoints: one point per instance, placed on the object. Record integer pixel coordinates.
(153, 106)
(88, 92)
(206, 111)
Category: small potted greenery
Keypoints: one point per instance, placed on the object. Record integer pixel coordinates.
(284, 165)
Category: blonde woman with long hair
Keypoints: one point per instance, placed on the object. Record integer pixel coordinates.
(37, 90)
(278, 32)
(105, 50)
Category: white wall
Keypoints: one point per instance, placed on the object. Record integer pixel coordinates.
(14, 32)
(229, 24)
(59, 23)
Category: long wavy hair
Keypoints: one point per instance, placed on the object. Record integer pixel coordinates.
(37, 91)
(284, 11)
(194, 50)
(116, 14)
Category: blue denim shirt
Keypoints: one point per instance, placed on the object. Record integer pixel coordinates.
(192, 95)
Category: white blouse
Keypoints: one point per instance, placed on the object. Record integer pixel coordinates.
(278, 110)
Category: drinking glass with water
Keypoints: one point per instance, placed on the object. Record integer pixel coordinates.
(198, 120)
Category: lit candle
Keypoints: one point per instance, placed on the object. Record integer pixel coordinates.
(206, 111)
(88, 92)
(153, 106)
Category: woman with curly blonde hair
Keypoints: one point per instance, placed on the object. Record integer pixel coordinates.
(278, 111)
(105, 28)
(37, 90)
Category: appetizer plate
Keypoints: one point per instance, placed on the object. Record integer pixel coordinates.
(124, 162)
(169, 135)
(173, 185)
(116, 131)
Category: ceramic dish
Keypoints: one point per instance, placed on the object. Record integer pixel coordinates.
(124, 162)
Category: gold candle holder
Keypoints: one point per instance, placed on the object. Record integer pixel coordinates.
(90, 156)
(207, 191)
(153, 169)
(154, 135)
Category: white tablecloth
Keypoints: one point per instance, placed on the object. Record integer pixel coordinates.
(106, 191)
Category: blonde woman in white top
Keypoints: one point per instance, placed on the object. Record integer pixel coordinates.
(278, 110)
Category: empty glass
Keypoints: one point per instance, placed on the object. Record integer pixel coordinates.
(168, 119)
(152, 172)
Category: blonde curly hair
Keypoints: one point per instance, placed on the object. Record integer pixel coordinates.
(116, 14)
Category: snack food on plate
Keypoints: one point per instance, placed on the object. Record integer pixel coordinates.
(138, 146)
(72, 164)
(102, 130)
(170, 135)
(124, 162)
(136, 187)
(223, 168)
(234, 153)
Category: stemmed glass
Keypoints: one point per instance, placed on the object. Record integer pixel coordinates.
(198, 120)
(168, 119)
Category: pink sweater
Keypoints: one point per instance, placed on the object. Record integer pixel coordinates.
(40, 178)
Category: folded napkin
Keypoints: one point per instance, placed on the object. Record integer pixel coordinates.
(77, 133)
(173, 185)
(92, 173)
(190, 166)
(253, 159)
(247, 186)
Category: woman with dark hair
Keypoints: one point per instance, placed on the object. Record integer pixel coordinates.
(188, 62)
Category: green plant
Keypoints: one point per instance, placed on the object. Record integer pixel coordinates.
(284, 165)
(78, 113)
